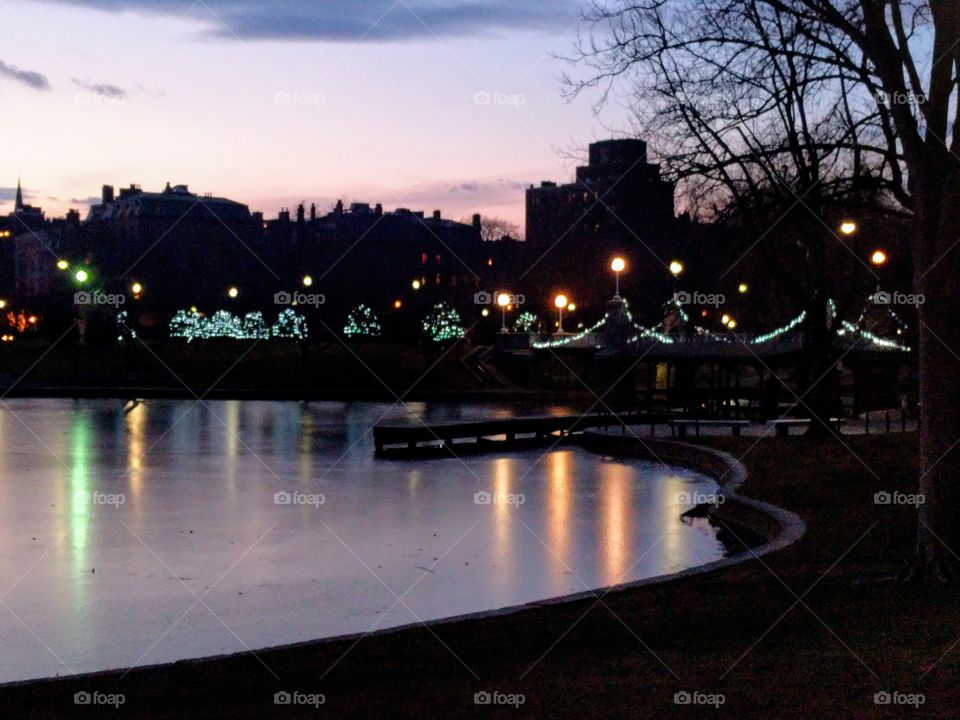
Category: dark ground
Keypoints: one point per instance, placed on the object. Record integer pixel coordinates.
(812, 631)
(229, 368)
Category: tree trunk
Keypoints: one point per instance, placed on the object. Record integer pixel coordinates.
(938, 526)
(819, 386)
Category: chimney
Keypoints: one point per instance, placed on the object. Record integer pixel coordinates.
(338, 209)
(476, 222)
(300, 213)
(106, 194)
(313, 211)
(436, 215)
(378, 210)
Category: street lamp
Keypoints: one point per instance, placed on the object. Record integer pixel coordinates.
(307, 281)
(233, 292)
(3, 304)
(82, 276)
(676, 268)
(62, 264)
(879, 257)
(415, 284)
(848, 227)
(503, 300)
(617, 265)
(136, 288)
(561, 302)
(743, 288)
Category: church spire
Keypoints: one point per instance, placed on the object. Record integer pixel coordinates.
(19, 203)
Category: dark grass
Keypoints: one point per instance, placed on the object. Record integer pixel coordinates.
(814, 658)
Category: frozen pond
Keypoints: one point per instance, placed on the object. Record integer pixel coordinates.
(182, 529)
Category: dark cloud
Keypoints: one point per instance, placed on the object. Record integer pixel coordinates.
(37, 81)
(91, 200)
(102, 89)
(354, 20)
(497, 186)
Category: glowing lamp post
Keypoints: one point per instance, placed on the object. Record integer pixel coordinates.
(617, 265)
(307, 281)
(675, 268)
(878, 258)
(848, 227)
(233, 293)
(62, 265)
(561, 302)
(82, 276)
(136, 289)
(503, 300)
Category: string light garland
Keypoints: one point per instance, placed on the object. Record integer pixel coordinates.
(774, 334)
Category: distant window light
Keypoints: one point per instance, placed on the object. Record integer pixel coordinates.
(423, 259)
(437, 256)
(437, 280)
(489, 262)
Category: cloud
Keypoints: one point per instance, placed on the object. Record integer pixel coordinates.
(499, 186)
(37, 81)
(356, 20)
(102, 89)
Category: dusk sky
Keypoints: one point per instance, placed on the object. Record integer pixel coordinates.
(418, 103)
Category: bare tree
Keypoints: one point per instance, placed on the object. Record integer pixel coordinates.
(496, 228)
(808, 104)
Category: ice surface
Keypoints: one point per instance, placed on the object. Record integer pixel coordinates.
(131, 538)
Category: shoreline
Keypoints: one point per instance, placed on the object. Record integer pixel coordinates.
(740, 516)
(87, 392)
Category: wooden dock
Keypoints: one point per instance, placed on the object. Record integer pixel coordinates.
(407, 438)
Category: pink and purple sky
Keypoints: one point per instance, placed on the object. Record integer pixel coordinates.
(415, 103)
